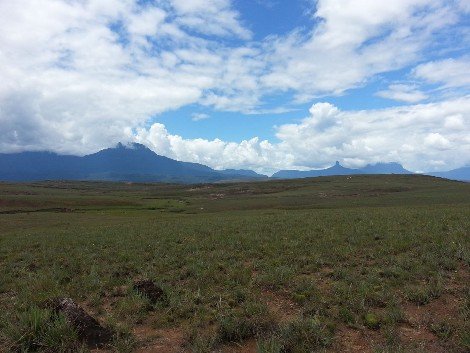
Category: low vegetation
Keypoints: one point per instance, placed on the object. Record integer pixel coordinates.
(330, 264)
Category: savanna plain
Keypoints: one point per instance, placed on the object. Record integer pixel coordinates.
(330, 264)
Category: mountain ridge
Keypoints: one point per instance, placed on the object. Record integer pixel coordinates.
(135, 162)
(338, 169)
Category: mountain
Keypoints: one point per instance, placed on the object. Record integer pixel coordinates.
(462, 174)
(338, 169)
(243, 173)
(137, 163)
(38, 166)
(384, 168)
(133, 162)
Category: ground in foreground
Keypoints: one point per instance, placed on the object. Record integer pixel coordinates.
(334, 264)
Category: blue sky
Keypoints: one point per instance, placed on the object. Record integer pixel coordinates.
(260, 84)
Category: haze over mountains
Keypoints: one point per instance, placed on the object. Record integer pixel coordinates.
(137, 163)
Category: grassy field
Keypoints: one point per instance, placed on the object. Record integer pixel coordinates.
(330, 264)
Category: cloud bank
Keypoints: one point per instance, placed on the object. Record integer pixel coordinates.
(421, 137)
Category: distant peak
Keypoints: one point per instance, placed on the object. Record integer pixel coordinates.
(337, 164)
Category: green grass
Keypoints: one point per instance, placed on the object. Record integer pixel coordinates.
(341, 254)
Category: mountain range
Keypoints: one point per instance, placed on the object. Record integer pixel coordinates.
(462, 174)
(338, 169)
(133, 162)
(137, 163)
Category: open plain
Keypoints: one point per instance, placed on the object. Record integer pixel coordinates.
(330, 264)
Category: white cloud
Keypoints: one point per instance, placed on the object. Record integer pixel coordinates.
(411, 135)
(448, 72)
(354, 41)
(437, 141)
(71, 84)
(415, 135)
(402, 92)
(252, 153)
(199, 116)
(146, 22)
(213, 17)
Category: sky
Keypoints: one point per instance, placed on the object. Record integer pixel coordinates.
(247, 84)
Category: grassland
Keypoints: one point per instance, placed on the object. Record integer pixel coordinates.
(331, 264)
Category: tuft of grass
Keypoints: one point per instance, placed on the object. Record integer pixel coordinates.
(372, 321)
(37, 329)
(305, 335)
(442, 329)
(133, 308)
(270, 344)
(422, 296)
(250, 320)
(124, 342)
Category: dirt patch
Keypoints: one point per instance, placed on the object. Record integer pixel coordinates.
(444, 308)
(418, 320)
(159, 340)
(248, 346)
(420, 337)
(283, 308)
(416, 330)
(350, 340)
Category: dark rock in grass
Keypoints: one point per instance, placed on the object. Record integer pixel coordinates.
(150, 290)
(88, 328)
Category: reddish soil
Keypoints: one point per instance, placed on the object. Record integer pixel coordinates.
(283, 309)
(159, 340)
(248, 346)
(349, 340)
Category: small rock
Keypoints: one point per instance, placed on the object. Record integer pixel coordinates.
(88, 328)
(149, 289)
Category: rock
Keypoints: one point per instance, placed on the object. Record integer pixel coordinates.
(88, 328)
(149, 289)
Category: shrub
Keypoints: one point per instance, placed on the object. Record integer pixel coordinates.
(371, 321)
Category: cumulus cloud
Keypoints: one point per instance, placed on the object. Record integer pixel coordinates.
(421, 137)
(411, 135)
(402, 92)
(253, 153)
